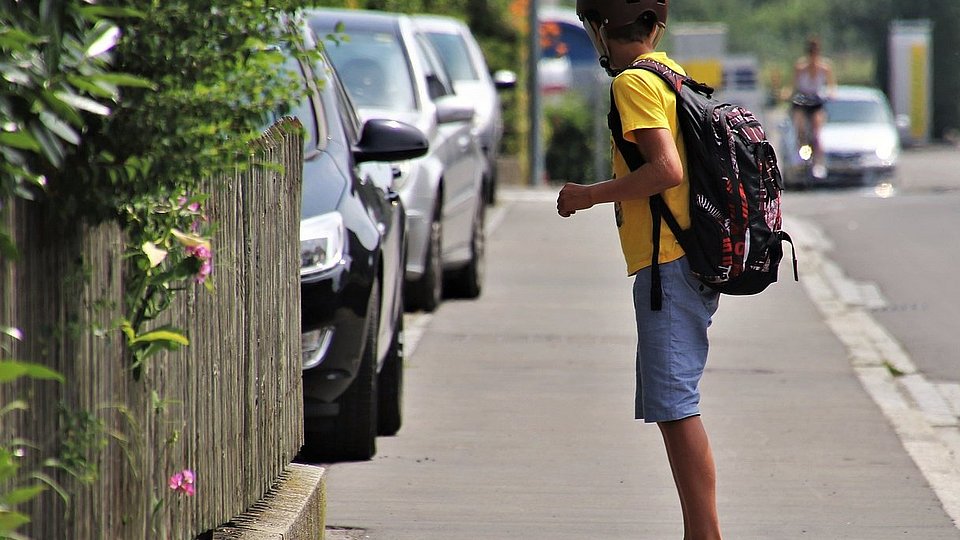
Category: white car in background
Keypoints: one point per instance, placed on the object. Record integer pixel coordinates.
(467, 68)
(391, 70)
(860, 140)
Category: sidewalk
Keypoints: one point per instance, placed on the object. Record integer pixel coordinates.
(519, 413)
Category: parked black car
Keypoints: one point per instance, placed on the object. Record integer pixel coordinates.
(352, 241)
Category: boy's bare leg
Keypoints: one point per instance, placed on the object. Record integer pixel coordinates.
(695, 474)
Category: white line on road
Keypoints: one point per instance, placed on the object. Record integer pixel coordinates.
(924, 414)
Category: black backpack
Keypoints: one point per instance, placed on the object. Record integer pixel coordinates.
(734, 241)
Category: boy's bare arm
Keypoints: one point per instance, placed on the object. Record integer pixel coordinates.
(662, 170)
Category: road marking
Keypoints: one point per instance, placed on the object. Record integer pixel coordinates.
(924, 414)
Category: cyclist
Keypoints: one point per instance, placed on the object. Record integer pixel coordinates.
(813, 81)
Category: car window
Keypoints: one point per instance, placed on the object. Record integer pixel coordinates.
(857, 112)
(438, 82)
(453, 52)
(351, 123)
(374, 69)
(306, 109)
(339, 135)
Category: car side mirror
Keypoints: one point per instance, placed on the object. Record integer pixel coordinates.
(451, 109)
(389, 140)
(504, 79)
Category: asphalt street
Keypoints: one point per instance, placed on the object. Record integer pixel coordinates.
(519, 409)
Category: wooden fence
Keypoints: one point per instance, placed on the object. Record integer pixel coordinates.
(228, 407)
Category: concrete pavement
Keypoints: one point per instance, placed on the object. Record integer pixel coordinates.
(518, 419)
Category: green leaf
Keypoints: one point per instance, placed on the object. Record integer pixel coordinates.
(10, 521)
(16, 405)
(60, 128)
(103, 38)
(124, 79)
(11, 370)
(15, 38)
(15, 333)
(22, 495)
(15, 75)
(171, 336)
(94, 88)
(93, 12)
(84, 104)
(19, 139)
(49, 146)
(8, 249)
(128, 330)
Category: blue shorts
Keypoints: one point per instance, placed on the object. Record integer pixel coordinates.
(671, 343)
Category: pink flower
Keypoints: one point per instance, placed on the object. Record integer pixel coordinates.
(202, 253)
(193, 207)
(183, 481)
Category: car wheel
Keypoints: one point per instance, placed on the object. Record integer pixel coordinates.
(390, 386)
(355, 427)
(427, 292)
(491, 191)
(468, 282)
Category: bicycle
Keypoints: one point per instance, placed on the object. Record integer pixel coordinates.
(807, 146)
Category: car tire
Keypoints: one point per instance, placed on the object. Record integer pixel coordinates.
(490, 190)
(390, 386)
(468, 282)
(355, 427)
(427, 292)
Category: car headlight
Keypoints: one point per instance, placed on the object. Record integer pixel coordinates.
(322, 240)
(886, 152)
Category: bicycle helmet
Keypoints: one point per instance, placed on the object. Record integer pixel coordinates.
(599, 16)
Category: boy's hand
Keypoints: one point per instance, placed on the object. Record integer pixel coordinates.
(573, 197)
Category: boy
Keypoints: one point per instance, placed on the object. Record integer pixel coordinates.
(672, 342)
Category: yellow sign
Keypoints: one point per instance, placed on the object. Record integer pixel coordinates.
(706, 71)
(918, 90)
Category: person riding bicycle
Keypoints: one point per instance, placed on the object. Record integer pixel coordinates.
(813, 81)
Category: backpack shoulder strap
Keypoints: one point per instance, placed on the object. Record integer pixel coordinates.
(630, 152)
(673, 79)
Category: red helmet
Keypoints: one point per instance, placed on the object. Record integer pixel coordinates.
(598, 16)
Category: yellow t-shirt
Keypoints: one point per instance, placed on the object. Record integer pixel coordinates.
(645, 101)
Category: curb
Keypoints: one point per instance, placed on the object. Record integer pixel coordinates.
(925, 415)
(293, 509)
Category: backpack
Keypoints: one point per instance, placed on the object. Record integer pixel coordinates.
(734, 243)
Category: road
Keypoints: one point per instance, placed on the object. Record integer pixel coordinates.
(906, 244)
(518, 404)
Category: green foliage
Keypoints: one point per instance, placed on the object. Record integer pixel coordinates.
(569, 147)
(120, 119)
(16, 486)
(82, 437)
(53, 60)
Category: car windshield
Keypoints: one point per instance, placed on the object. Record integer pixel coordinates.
(374, 68)
(454, 55)
(857, 112)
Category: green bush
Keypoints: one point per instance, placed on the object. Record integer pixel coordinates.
(569, 140)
